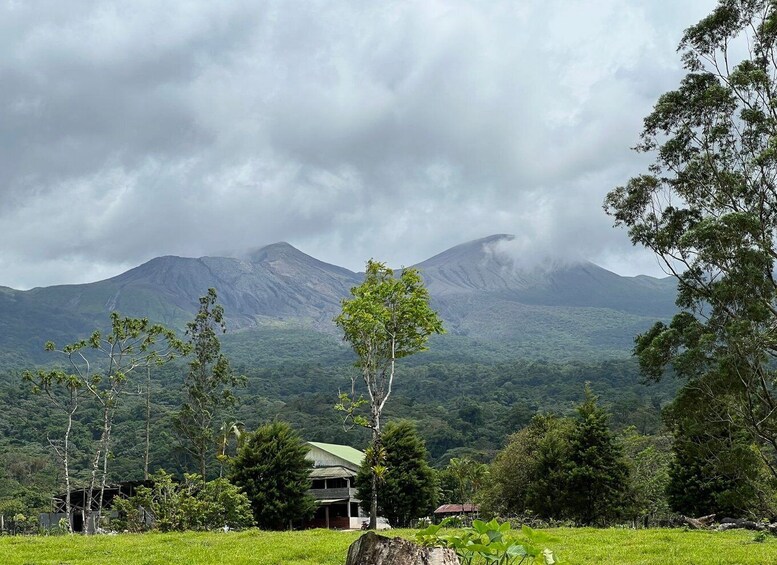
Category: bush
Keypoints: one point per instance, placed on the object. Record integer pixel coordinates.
(189, 505)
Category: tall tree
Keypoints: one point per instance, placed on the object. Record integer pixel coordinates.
(408, 489)
(715, 468)
(271, 468)
(208, 384)
(708, 209)
(64, 391)
(470, 477)
(649, 458)
(386, 318)
(529, 473)
(102, 365)
(597, 474)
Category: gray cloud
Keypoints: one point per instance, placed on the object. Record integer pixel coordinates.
(349, 129)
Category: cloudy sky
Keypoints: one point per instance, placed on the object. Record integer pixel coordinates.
(350, 129)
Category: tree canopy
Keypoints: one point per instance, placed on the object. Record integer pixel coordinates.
(707, 207)
(271, 468)
(386, 319)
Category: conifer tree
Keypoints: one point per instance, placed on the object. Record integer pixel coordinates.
(208, 384)
(408, 488)
(597, 474)
(271, 468)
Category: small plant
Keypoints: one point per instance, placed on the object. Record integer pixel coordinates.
(760, 537)
(488, 542)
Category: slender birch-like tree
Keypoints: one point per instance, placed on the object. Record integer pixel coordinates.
(102, 365)
(64, 391)
(387, 318)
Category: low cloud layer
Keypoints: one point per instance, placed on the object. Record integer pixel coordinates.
(349, 129)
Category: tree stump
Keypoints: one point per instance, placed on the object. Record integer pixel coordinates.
(372, 549)
(699, 523)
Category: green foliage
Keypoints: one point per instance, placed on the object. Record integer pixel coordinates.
(469, 476)
(386, 319)
(192, 504)
(597, 474)
(408, 487)
(559, 468)
(527, 473)
(708, 209)
(488, 542)
(649, 459)
(716, 468)
(208, 384)
(271, 468)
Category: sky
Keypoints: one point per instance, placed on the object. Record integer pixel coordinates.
(350, 129)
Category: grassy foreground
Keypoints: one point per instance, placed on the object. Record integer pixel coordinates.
(322, 547)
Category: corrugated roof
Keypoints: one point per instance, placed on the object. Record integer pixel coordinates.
(456, 508)
(331, 472)
(345, 452)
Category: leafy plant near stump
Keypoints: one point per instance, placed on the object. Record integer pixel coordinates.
(488, 542)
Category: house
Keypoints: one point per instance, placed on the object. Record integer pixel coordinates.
(332, 485)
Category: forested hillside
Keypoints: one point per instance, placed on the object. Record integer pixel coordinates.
(464, 404)
(518, 341)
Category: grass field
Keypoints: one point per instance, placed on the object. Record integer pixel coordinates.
(572, 546)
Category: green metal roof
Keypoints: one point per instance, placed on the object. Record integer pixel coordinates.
(345, 452)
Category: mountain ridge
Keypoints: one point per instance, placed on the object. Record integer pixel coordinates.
(480, 291)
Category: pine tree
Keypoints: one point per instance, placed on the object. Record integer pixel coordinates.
(272, 470)
(208, 385)
(597, 474)
(408, 488)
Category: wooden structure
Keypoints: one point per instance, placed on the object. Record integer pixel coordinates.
(78, 497)
(332, 485)
(466, 510)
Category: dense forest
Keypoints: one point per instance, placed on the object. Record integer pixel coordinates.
(463, 407)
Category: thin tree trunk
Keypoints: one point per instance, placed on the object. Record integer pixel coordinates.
(86, 512)
(68, 507)
(148, 422)
(106, 452)
(373, 471)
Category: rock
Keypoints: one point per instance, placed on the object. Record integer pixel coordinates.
(372, 549)
(731, 524)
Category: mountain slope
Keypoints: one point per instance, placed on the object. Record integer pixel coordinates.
(277, 284)
(572, 308)
(483, 294)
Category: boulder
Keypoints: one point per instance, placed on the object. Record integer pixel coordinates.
(372, 549)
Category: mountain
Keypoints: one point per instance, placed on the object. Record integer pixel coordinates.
(277, 284)
(571, 308)
(481, 267)
(483, 294)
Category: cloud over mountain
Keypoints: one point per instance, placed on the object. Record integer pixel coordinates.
(351, 129)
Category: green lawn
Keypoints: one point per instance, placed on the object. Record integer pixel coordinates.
(572, 546)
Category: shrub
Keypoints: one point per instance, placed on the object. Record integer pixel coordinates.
(188, 505)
